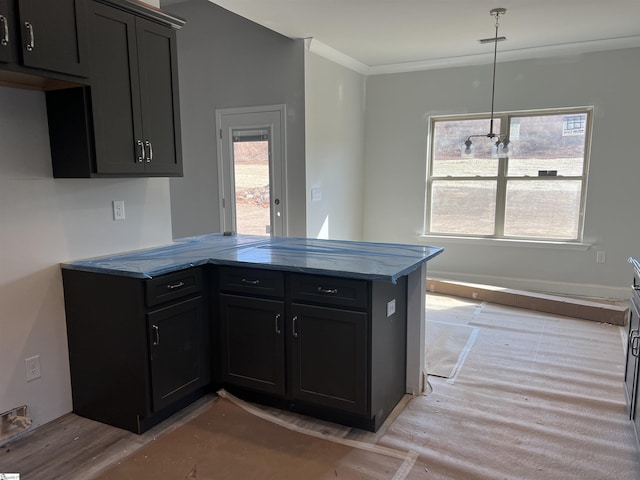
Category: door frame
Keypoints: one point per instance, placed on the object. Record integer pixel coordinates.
(277, 176)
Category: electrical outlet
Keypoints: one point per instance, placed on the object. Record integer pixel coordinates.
(601, 256)
(33, 367)
(118, 209)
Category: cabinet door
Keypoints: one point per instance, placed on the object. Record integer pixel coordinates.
(114, 91)
(252, 337)
(631, 370)
(329, 357)
(158, 74)
(54, 35)
(8, 35)
(179, 347)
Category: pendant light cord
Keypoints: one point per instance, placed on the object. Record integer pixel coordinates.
(493, 88)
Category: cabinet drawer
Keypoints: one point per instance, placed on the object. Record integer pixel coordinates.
(336, 291)
(173, 285)
(253, 281)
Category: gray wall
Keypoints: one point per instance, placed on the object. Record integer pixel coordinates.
(334, 149)
(227, 61)
(398, 107)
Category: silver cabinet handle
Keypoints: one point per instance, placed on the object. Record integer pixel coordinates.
(175, 285)
(277, 324)
(294, 330)
(328, 291)
(635, 287)
(148, 145)
(31, 44)
(156, 335)
(633, 342)
(4, 40)
(250, 282)
(142, 152)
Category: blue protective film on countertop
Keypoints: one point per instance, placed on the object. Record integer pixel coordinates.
(371, 261)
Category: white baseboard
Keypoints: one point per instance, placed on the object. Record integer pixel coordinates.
(540, 286)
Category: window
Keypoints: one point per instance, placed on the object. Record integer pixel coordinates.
(537, 193)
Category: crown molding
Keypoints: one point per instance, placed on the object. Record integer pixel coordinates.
(547, 51)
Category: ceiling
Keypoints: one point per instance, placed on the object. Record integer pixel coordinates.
(382, 36)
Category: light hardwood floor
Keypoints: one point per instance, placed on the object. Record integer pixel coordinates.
(75, 448)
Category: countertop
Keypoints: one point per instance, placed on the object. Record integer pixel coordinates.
(364, 260)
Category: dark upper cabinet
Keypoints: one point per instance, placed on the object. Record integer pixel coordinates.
(7, 34)
(44, 36)
(127, 123)
(134, 94)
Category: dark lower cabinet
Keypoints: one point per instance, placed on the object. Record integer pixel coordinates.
(330, 347)
(329, 357)
(632, 370)
(179, 350)
(252, 333)
(139, 349)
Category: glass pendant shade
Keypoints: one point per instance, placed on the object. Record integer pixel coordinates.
(502, 149)
(467, 149)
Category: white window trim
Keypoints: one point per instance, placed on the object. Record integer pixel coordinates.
(577, 244)
(507, 242)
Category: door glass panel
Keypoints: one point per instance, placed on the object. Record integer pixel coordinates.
(252, 186)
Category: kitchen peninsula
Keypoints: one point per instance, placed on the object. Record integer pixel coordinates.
(333, 329)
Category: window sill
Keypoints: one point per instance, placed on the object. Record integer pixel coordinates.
(503, 242)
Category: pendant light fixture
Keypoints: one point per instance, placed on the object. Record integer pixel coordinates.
(502, 146)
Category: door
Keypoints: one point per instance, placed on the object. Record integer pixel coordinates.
(8, 35)
(178, 337)
(158, 73)
(54, 35)
(252, 333)
(251, 168)
(115, 94)
(329, 357)
(631, 370)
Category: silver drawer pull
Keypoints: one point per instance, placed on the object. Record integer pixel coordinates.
(32, 41)
(328, 291)
(156, 335)
(635, 287)
(173, 286)
(4, 40)
(250, 282)
(294, 325)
